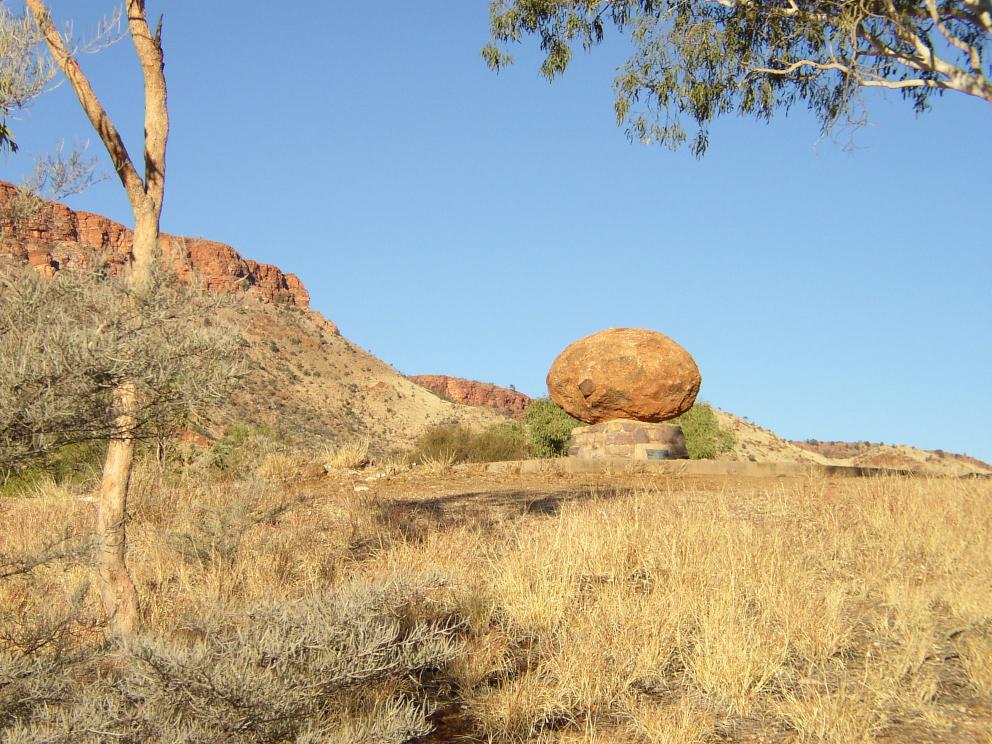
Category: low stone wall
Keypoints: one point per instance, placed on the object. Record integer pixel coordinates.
(627, 439)
(735, 468)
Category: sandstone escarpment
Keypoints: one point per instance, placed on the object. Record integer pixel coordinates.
(469, 392)
(55, 237)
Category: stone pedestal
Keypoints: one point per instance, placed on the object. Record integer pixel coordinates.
(627, 439)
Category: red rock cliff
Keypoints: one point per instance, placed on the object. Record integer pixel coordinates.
(506, 401)
(57, 237)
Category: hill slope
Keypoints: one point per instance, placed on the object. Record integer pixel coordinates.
(305, 377)
(301, 376)
(761, 445)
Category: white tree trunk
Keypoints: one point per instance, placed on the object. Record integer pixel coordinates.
(117, 590)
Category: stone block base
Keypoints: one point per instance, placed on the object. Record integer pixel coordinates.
(633, 440)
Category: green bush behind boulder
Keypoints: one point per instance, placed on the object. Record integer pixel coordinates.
(549, 428)
(704, 437)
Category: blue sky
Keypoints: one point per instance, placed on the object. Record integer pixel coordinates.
(455, 221)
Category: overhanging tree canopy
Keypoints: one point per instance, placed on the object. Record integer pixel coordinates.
(694, 60)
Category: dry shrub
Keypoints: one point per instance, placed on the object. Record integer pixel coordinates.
(335, 666)
(518, 709)
(218, 531)
(68, 342)
(976, 657)
(438, 463)
(818, 711)
(684, 721)
(350, 456)
(280, 467)
(454, 443)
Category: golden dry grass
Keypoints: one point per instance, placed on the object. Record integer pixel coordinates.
(807, 610)
(354, 454)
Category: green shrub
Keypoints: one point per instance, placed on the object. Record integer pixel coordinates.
(71, 464)
(704, 437)
(549, 428)
(456, 443)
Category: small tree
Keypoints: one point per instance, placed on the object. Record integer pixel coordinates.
(68, 343)
(145, 194)
(698, 59)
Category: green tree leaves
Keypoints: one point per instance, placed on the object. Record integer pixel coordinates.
(693, 61)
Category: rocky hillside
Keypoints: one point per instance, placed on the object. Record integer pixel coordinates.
(51, 237)
(305, 378)
(503, 400)
(301, 376)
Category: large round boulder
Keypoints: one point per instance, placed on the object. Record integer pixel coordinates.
(627, 373)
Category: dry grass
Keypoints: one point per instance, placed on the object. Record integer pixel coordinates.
(281, 467)
(808, 610)
(348, 456)
(439, 463)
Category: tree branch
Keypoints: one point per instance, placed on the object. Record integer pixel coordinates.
(149, 50)
(94, 110)
(867, 81)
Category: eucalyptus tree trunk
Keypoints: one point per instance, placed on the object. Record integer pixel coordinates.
(117, 590)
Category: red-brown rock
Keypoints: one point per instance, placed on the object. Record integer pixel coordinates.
(627, 373)
(468, 392)
(57, 237)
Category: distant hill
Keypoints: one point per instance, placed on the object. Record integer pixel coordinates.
(506, 401)
(889, 455)
(761, 445)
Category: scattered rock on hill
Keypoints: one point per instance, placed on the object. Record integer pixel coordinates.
(628, 373)
(469, 392)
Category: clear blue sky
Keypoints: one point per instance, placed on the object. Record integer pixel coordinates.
(455, 221)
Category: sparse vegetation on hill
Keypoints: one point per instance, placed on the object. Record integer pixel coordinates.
(882, 454)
